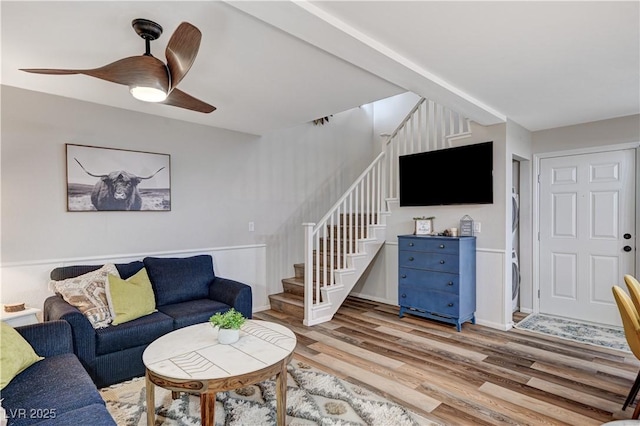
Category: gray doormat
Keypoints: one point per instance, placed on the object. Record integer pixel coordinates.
(593, 334)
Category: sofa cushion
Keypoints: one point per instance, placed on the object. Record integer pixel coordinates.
(16, 354)
(178, 280)
(125, 269)
(193, 312)
(131, 298)
(58, 382)
(138, 332)
(87, 293)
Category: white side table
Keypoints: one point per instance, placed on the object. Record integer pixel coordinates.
(25, 317)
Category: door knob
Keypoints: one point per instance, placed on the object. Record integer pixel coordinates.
(627, 236)
(627, 248)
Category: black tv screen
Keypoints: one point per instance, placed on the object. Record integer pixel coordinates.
(460, 175)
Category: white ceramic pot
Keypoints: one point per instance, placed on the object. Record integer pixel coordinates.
(227, 336)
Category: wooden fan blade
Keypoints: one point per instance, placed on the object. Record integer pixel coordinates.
(50, 71)
(180, 99)
(133, 71)
(181, 51)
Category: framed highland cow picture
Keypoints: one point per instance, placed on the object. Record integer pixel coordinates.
(108, 179)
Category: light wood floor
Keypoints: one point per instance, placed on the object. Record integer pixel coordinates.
(480, 376)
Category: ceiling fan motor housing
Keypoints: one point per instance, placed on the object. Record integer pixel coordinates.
(147, 29)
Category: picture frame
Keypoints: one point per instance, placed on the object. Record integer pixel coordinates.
(112, 179)
(466, 226)
(423, 226)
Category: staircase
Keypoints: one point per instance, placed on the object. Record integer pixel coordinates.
(341, 246)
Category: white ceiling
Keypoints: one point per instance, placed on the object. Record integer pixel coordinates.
(269, 65)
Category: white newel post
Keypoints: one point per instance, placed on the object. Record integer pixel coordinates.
(308, 272)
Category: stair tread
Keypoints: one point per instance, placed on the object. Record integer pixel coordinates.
(289, 298)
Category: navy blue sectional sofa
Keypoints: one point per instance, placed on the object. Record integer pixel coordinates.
(187, 292)
(56, 390)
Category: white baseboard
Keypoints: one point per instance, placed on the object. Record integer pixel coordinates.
(261, 308)
(496, 325)
(526, 310)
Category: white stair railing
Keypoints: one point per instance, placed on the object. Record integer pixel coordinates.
(338, 235)
(428, 127)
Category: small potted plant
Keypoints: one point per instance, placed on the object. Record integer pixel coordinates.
(228, 325)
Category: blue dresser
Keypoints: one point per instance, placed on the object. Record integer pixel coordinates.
(437, 277)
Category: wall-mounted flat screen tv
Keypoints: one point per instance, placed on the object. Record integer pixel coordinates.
(460, 175)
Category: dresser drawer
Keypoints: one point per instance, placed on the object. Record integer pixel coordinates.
(432, 261)
(437, 302)
(430, 244)
(429, 280)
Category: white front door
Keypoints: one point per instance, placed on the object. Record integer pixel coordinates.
(587, 218)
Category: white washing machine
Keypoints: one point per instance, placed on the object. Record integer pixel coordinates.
(515, 265)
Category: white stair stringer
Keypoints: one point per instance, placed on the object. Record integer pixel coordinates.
(345, 279)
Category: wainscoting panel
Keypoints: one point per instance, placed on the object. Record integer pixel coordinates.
(29, 281)
(493, 290)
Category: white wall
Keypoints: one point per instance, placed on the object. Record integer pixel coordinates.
(220, 181)
(389, 113)
(511, 141)
(597, 133)
(381, 283)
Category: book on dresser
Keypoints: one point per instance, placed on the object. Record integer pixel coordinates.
(437, 278)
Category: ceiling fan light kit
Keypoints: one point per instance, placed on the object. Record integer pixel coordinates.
(148, 78)
(147, 94)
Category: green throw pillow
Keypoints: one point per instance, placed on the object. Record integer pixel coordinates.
(16, 354)
(131, 298)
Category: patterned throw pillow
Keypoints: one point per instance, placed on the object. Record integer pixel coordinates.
(87, 293)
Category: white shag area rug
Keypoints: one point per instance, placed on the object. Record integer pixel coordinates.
(593, 334)
(313, 398)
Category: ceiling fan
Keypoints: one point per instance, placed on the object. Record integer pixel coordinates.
(148, 78)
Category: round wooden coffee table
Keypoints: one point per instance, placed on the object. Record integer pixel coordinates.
(191, 360)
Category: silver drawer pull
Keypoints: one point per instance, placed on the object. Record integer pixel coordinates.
(442, 262)
(410, 244)
(441, 245)
(411, 259)
(404, 276)
(404, 295)
(450, 305)
(450, 283)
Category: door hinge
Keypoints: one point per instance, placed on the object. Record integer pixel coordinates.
(538, 178)
(538, 293)
(538, 235)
